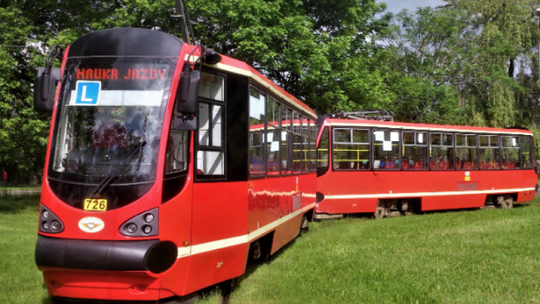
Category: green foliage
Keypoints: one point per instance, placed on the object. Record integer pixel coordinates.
(472, 62)
(23, 132)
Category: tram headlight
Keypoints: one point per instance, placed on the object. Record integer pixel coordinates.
(147, 229)
(55, 225)
(50, 223)
(144, 224)
(131, 228)
(149, 217)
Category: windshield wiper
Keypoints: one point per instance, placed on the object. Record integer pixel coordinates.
(113, 174)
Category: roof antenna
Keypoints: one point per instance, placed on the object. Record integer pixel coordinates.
(185, 24)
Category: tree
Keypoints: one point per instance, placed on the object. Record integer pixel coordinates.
(23, 133)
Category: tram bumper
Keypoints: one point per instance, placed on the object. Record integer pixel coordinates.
(148, 255)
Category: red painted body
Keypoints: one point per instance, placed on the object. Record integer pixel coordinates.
(212, 223)
(355, 191)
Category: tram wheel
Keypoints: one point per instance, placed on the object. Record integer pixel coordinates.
(226, 290)
(508, 202)
(304, 225)
(380, 212)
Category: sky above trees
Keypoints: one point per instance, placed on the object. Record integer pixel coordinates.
(395, 6)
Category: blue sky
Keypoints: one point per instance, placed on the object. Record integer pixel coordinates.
(395, 6)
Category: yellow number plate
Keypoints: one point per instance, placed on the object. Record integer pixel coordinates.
(93, 204)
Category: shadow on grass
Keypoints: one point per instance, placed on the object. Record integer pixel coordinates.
(16, 203)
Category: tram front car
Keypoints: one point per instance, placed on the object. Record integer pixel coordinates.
(117, 139)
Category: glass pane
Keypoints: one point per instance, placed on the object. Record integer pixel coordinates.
(435, 139)
(176, 155)
(361, 136)
(441, 158)
(285, 118)
(272, 111)
(408, 138)
(421, 138)
(272, 151)
(351, 156)
(466, 158)
(256, 108)
(204, 124)
(297, 153)
(297, 123)
(461, 140)
(484, 141)
(526, 156)
(471, 140)
(217, 138)
(323, 149)
(342, 135)
(312, 156)
(447, 139)
(285, 162)
(386, 149)
(489, 158)
(494, 141)
(210, 163)
(108, 107)
(212, 87)
(414, 157)
(313, 127)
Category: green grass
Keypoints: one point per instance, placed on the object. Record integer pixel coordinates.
(478, 256)
(20, 280)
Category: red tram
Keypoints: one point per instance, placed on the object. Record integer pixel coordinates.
(390, 168)
(168, 167)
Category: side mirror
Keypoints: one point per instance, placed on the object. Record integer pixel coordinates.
(45, 89)
(188, 89)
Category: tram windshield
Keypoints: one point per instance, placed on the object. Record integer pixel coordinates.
(110, 118)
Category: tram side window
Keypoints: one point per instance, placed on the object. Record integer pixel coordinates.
(312, 149)
(526, 153)
(305, 145)
(286, 115)
(323, 150)
(211, 144)
(210, 136)
(414, 151)
(297, 143)
(441, 151)
(466, 148)
(489, 151)
(351, 149)
(273, 137)
(386, 149)
(176, 155)
(510, 152)
(257, 107)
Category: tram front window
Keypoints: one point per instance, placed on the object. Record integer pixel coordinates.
(110, 118)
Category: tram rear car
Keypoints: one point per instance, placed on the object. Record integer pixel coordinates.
(390, 168)
(155, 184)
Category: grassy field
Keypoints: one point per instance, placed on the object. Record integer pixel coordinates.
(478, 256)
(20, 280)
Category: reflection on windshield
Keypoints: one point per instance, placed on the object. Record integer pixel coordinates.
(97, 139)
(102, 118)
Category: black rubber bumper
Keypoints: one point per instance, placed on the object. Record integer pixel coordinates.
(153, 255)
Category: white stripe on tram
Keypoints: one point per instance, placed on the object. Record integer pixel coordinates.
(415, 194)
(243, 239)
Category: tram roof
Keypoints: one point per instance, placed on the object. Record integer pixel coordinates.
(336, 122)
